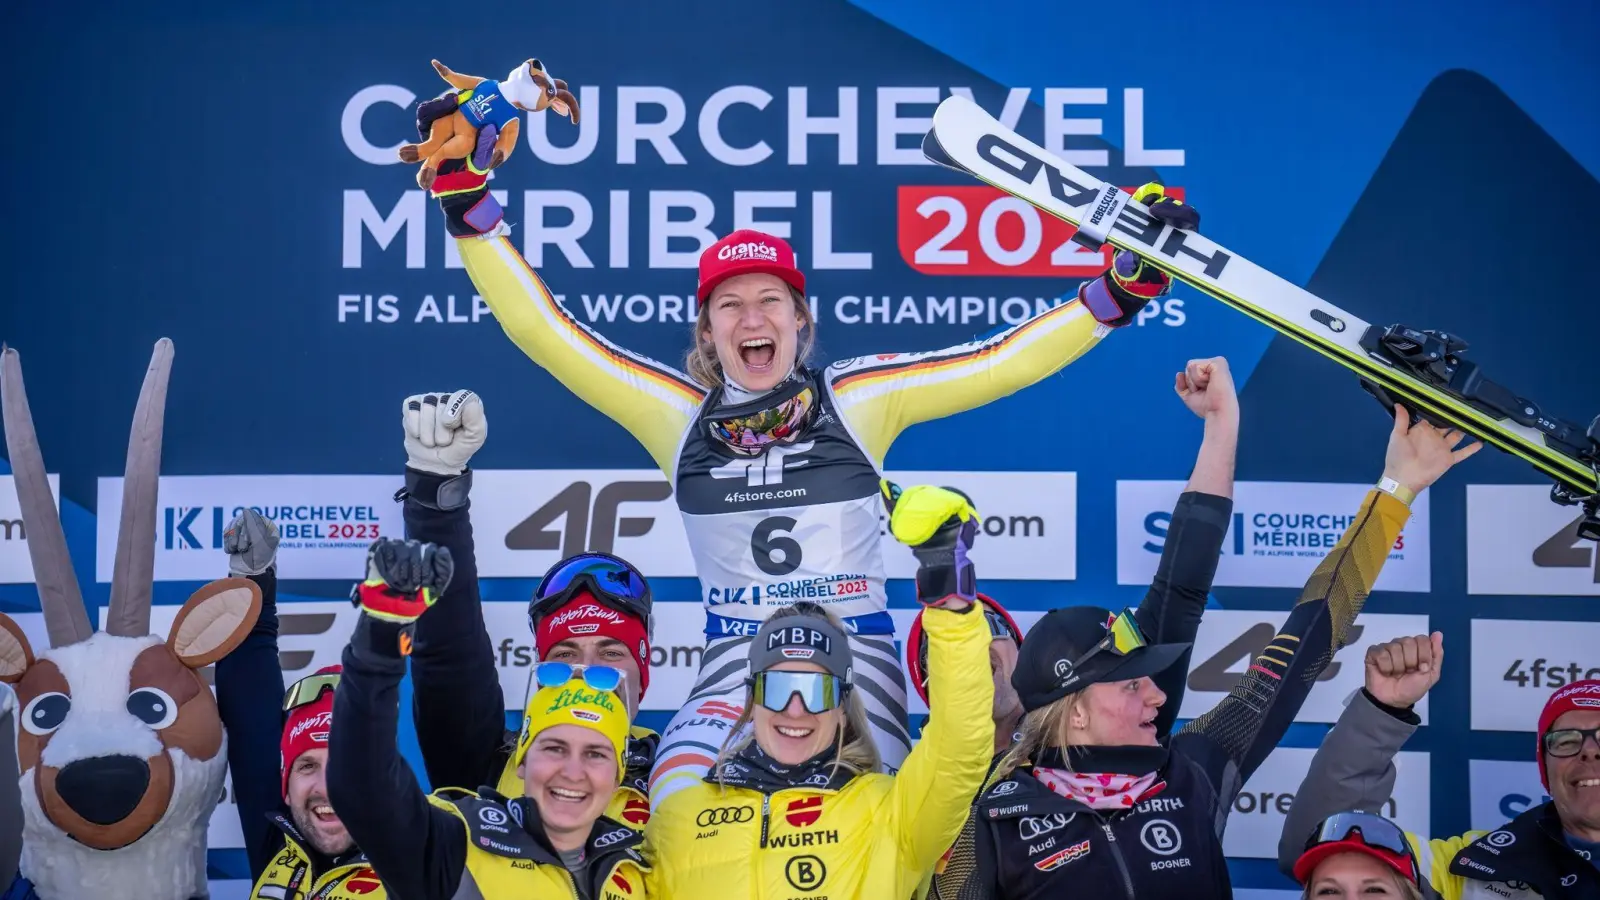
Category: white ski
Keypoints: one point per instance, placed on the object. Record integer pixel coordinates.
(969, 140)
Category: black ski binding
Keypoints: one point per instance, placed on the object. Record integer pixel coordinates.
(1436, 358)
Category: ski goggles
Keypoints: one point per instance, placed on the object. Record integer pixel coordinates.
(1123, 636)
(818, 691)
(750, 432)
(309, 689)
(1371, 831)
(1566, 742)
(612, 581)
(556, 674)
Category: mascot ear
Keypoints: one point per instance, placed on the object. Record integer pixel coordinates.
(16, 656)
(215, 620)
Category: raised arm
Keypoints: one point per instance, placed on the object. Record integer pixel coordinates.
(418, 849)
(934, 789)
(1170, 611)
(456, 697)
(654, 402)
(249, 683)
(883, 395)
(1233, 738)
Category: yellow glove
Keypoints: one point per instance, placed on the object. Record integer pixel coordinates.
(940, 526)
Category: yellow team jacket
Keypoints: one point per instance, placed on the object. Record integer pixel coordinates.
(504, 862)
(630, 805)
(873, 838)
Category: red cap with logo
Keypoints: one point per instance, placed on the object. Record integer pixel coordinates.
(746, 251)
(584, 616)
(1577, 695)
(305, 727)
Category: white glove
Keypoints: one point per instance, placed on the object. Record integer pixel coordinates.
(443, 431)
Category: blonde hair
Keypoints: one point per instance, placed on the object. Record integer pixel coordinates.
(1040, 730)
(702, 363)
(853, 748)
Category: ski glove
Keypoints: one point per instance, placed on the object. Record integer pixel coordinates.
(404, 579)
(251, 542)
(940, 526)
(1116, 297)
(443, 431)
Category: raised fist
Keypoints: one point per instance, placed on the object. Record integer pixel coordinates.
(939, 525)
(404, 579)
(443, 431)
(251, 542)
(1400, 672)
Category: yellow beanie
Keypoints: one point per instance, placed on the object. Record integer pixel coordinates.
(575, 703)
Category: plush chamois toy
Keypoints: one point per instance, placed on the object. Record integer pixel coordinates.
(484, 119)
(119, 744)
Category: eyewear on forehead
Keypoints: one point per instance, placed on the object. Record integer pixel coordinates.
(1565, 742)
(1372, 830)
(611, 580)
(556, 674)
(818, 691)
(308, 689)
(1123, 636)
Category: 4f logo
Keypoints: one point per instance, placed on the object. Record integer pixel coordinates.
(1567, 549)
(767, 468)
(589, 520)
(1214, 675)
(180, 523)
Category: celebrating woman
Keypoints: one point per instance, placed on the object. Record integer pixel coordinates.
(1092, 803)
(794, 807)
(775, 465)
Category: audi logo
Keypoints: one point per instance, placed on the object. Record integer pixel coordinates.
(724, 815)
(612, 837)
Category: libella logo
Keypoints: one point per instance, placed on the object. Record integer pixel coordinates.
(1279, 533)
(1520, 543)
(16, 567)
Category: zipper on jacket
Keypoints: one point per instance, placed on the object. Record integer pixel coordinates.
(766, 802)
(1127, 880)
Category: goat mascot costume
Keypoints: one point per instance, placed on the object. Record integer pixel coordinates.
(119, 746)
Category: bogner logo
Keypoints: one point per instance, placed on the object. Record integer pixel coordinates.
(767, 468)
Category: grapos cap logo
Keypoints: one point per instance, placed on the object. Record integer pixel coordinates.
(488, 815)
(749, 250)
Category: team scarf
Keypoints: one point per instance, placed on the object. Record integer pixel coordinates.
(1100, 790)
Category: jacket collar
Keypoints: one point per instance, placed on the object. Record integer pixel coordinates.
(752, 768)
(1528, 850)
(641, 756)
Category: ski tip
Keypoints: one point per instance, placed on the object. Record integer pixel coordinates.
(934, 151)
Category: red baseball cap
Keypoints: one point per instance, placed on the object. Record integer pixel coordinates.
(1309, 860)
(745, 251)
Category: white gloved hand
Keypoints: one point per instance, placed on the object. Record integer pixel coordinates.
(443, 431)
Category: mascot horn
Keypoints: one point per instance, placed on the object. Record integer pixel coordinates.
(119, 746)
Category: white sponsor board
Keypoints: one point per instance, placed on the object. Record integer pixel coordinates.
(326, 522)
(16, 567)
(1517, 665)
(1256, 821)
(1519, 542)
(1503, 790)
(1279, 533)
(1230, 639)
(1029, 521)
